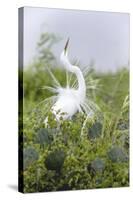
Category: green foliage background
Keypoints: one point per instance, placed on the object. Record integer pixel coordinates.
(59, 158)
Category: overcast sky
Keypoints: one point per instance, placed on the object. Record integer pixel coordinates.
(99, 36)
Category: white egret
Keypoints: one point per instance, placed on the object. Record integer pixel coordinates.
(70, 100)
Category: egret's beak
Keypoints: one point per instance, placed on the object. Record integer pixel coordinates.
(66, 46)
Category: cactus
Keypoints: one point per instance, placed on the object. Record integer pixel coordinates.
(96, 166)
(43, 137)
(55, 160)
(116, 154)
(95, 131)
(30, 155)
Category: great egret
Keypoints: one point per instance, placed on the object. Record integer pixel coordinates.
(70, 100)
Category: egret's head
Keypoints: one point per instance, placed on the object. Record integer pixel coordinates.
(64, 59)
(66, 47)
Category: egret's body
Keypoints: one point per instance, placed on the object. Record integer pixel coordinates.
(67, 104)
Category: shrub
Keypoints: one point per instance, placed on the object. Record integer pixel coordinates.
(59, 157)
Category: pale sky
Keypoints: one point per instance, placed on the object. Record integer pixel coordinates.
(99, 36)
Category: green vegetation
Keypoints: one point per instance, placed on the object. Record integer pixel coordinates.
(59, 157)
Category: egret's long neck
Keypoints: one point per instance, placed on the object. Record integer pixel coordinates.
(81, 81)
(74, 69)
